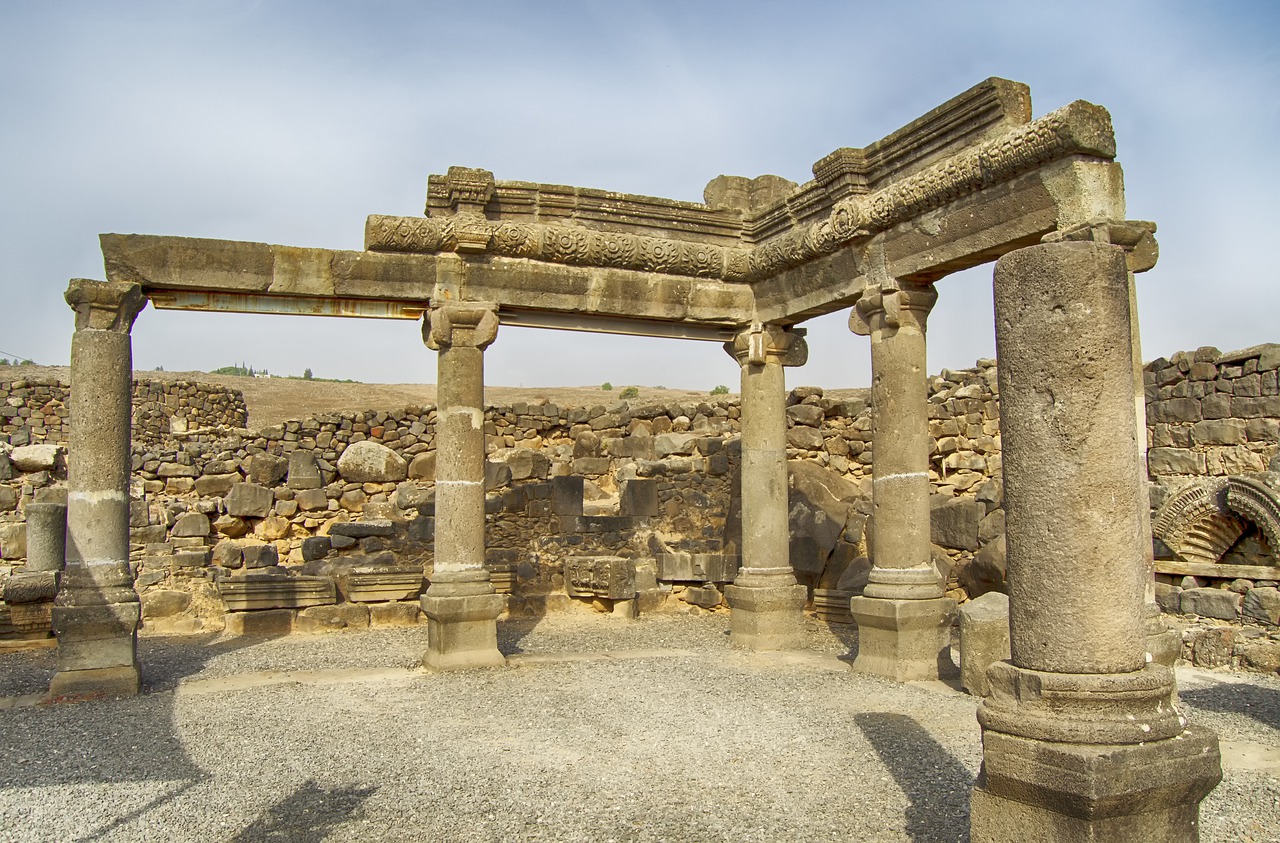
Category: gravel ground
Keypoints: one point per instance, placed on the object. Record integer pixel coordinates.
(652, 730)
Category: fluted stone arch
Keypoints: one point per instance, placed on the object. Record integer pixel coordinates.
(1202, 522)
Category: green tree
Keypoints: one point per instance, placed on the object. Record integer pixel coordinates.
(306, 374)
(629, 392)
(720, 390)
(606, 386)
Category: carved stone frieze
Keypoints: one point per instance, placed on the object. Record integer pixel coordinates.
(1079, 128)
(1260, 503)
(1201, 523)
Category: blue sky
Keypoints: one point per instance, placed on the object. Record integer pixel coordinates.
(289, 122)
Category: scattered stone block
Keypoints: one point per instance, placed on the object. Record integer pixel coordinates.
(380, 586)
(332, 618)
(266, 469)
(986, 572)
(29, 458)
(249, 500)
(164, 603)
(371, 462)
(984, 639)
(269, 622)
(955, 523)
(609, 577)
(260, 555)
(394, 614)
(277, 593)
(1213, 647)
(1211, 603)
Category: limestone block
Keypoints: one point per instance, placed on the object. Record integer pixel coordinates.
(30, 458)
(266, 469)
(264, 623)
(249, 500)
(804, 438)
(164, 603)
(1262, 605)
(394, 614)
(1175, 461)
(1169, 598)
(371, 462)
(274, 527)
(610, 577)
(304, 471)
(332, 618)
(1175, 411)
(984, 639)
(423, 466)
(13, 541)
(1211, 603)
(955, 523)
(228, 554)
(634, 447)
(191, 559)
(592, 466)
(260, 555)
(191, 524)
(8, 498)
(230, 526)
(215, 485)
(312, 500)
(173, 469)
(678, 444)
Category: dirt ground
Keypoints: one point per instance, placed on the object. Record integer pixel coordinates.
(274, 400)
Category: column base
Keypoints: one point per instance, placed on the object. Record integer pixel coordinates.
(904, 640)
(96, 682)
(462, 631)
(1043, 792)
(767, 617)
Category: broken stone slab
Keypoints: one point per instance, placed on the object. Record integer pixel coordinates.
(249, 500)
(164, 603)
(31, 587)
(191, 524)
(362, 585)
(362, 529)
(955, 523)
(371, 462)
(332, 618)
(984, 639)
(29, 458)
(1211, 603)
(705, 596)
(608, 577)
(638, 498)
(1262, 605)
(679, 566)
(263, 622)
(986, 572)
(284, 593)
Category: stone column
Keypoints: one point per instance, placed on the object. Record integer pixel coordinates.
(903, 617)
(460, 604)
(1082, 739)
(96, 612)
(765, 600)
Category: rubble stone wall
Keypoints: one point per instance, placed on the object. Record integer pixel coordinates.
(33, 410)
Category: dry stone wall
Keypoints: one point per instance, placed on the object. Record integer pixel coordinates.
(218, 511)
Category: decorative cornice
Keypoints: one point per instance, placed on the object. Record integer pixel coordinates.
(1077, 129)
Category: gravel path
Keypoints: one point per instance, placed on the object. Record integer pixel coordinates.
(654, 731)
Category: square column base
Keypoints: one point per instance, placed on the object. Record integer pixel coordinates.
(96, 682)
(766, 618)
(904, 640)
(462, 631)
(1042, 792)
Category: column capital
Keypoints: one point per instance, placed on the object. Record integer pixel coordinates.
(105, 305)
(460, 324)
(762, 344)
(1135, 237)
(892, 306)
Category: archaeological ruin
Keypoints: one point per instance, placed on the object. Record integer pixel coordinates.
(1095, 492)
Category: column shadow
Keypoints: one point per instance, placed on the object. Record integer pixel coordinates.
(309, 813)
(936, 784)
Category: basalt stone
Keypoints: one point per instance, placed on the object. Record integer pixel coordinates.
(955, 524)
(304, 471)
(316, 547)
(1262, 605)
(266, 469)
(260, 555)
(249, 500)
(191, 524)
(215, 485)
(362, 529)
(1211, 603)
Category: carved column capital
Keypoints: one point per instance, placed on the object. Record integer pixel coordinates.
(460, 324)
(892, 306)
(105, 305)
(762, 344)
(1136, 237)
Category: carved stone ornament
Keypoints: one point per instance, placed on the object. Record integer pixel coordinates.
(1202, 522)
(105, 305)
(1076, 129)
(1136, 237)
(463, 324)
(882, 307)
(762, 344)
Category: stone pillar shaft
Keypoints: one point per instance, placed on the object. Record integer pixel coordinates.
(765, 599)
(460, 604)
(1082, 740)
(903, 616)
(96, 613)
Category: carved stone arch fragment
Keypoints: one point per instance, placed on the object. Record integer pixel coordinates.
(1259, 503)
(1198, 524)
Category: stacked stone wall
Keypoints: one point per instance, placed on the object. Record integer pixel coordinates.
(33, 410)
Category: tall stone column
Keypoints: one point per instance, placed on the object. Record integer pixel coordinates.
(765, 600)
(96, 612)
(903, 617)
(1082, 739)
(460, 604)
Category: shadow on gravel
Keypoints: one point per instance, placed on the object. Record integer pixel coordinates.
(935, 782)
(309, 813)
(1262, 704)
(167, 660)
(847, 635)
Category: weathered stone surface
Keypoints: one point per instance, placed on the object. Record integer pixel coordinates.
(804, 438)
(13, 541)
(164, 603)
(1175, 461)
(215, 485)
(394, 614)
(362, 529)
(260, 555)
(304, 471)
(1262, 605)
(276, 593)
(231, 526)
(191, 524)
(610, 577)
(638, 498)
(312, 500)
(274, 527)
(423, 466)
(315, 547)
(249, 500)
(696, 567)
(1211, 603)
(266, 469)
(955, 524)
(986, 572)
(35, 457)
(31, 587)
(371, 462)
(984, 639)
(706, 596)
(332, 618)
(270, 622)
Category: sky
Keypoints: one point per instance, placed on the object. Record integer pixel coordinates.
(290, 122)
